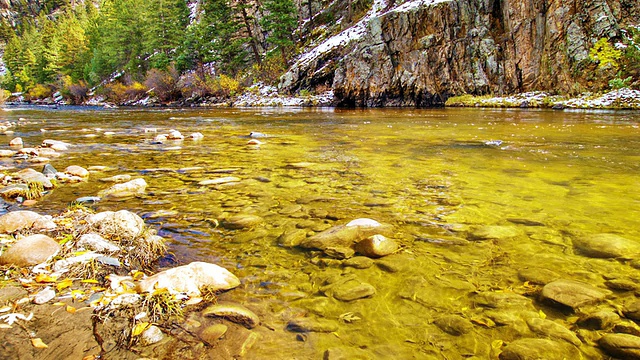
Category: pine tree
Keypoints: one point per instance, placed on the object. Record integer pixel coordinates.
(280, 20)
(165, 30)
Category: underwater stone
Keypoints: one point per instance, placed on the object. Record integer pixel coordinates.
(242, 221)
(312, 325)
(534, 349)
(376, 246)
(190, 279)
(130, 188)
(494, 232)
(599, 320)
(31, 250)
(233, 312)
(573, 294)
(291, 238)
(552, 330)
(538, 276)
(213, 333)
(358, 262)
(607, 246)
(151, 336)
(501, 300)
(454, 324)
(117, 178)
(218, 181)
(624, 346)
(351, 290)
(632, 310)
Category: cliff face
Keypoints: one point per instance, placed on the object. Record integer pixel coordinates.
(421, 52)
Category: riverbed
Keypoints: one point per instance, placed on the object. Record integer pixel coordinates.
(481, 202)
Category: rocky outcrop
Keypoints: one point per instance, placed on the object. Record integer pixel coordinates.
(420, 52)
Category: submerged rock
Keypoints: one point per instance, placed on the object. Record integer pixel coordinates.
(552, 330)
(351, 290)
(345, 236)
(359, 262)
(190, 279)
(376, 246)
(29, 175)
(242, 221)
(18, 220)
(536, 349)
(31, 250)
(573, 294)
(213, 333)
(218, 181)
(235, 313)
(454, 324)
(312, 325)
(75, 170)
(623, 346)
(131, 188)
(607, 246)
(292, 238)
(494, 232)
(117, 178)
(599, 320)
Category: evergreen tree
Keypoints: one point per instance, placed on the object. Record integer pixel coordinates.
(165, 30)
(280, 20)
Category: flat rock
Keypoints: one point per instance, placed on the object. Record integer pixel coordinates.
(291, 238)
(454, 324)
(346, 236)
(358, 262)
(538, 349)
(233, 312)
(44, 296)
(607, 246)
(352, 290)
(55, 144)
(75, 170)
(123, 223)
(376, 246)
(213, 333)
(623, 346)
(552, 330)
(632, 310)
(190, 279)
(502, 300)
(494, 232)
(117, 178)
(31, 250)
(6, 153)
(538, 276)
(242, 221)
(18, 220)
(218, 181)
(130, 188)
(573, 294)
(312, 325)
(29, 175)
(599, 320)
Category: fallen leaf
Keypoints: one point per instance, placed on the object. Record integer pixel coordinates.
(140, 328)
(137, 275)
(90, 357)
(71, 309)
(5, 309)
(59, 304)
(64, 284)
(90, 281)
(38, 343)
(44, 278)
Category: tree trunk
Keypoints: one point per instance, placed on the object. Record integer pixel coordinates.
(252, 40)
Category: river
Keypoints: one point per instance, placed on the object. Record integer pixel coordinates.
(479, 200)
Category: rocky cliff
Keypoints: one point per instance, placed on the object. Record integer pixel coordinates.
(420, 52)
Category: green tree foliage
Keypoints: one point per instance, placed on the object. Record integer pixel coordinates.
(604, 54)
(280, 20)
(165, 29)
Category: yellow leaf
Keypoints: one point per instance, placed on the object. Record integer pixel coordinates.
(78, 253)
(140, 328)
(90, 281)
(71, 309)
(64, 284)
(5, 309)
(542, 314)
(38, 343)
(97, 288)
(59, 304)
(159, 291)
(42, 278)
(137, 275)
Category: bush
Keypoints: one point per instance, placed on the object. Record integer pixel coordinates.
(77, 93)
(164, 84)
(604, 54)
(39, 92)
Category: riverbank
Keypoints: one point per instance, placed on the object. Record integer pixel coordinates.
(268, 96)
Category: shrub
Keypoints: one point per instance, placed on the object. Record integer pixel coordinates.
(163, 84)
(604, 54)
(77, 93)
(39, 92)
(619, 83)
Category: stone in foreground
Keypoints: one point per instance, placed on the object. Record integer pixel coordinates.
(537, 349)
(623, 346)
(376, 246)
(31, 250)
(190, 279)
(573, 294)
(18, 220)
(123, 224)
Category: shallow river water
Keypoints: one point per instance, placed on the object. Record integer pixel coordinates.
(481, 201)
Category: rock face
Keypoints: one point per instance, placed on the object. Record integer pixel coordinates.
(419, 52)
(31, 250)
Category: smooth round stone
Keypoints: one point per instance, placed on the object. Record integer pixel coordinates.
(607, 246)
(573, 294)
(31, 250)
(30, 175)
(151, 336)
(6, 153)
(75, 170)
(16, 142)
(242, 221)
(18, 220)
(454, 324)
(358, 262)
(538, 276)
(213, 333)
(552, 330)
(291, 238)
(376, 246)
(494, 232)
(353, 290)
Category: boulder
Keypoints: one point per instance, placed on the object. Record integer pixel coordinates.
(623, 346)
(607, 246)
(18, 220)
(29, 175)
(31, 250)
(190, 279)
(233, 312)
(536, 349)
(175, 135)
(75, 170)
(123, 224)
(6, 153)
(573, 294)
(130, 188)
(16, 142)
(376, 246)
(96, 243)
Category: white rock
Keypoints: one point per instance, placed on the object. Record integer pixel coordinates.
(7, 153)
(62, 266)
(196, 136)
(222, 180)
(97, 243)
(130, 188)
(123, 223)
(160, 138)
(16, 142)
(190, 279)
(175, 135)
(125, 299)
(44, 296)
(364, 222)
(55, 145)
(151, 336)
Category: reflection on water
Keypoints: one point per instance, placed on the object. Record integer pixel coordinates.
(482, 201)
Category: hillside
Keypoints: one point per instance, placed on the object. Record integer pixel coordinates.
(370, 53)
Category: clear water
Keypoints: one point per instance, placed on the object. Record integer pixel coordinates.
(430, 173)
